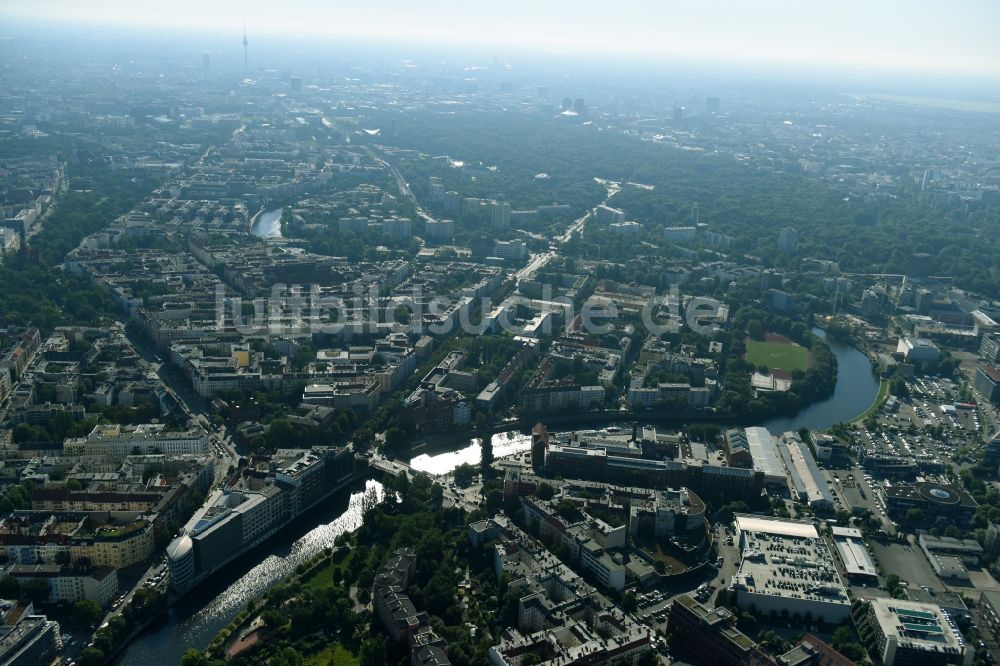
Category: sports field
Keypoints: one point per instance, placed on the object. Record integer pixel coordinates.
(785, 356)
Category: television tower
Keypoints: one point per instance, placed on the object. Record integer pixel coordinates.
(245, 43)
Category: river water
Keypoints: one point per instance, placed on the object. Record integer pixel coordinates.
(856, 390)
(203, 613)
(267, 224)
(504, 444)
(199, 616)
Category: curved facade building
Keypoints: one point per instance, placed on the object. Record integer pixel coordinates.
(180, 560)
(274, 491)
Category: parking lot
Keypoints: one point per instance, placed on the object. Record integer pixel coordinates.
(906, 561)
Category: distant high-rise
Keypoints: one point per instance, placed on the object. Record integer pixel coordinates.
(712, 104)
(205, 61)
(787, 239)
(501, 216)
(246, 59)
(296, 83)
(678, 113)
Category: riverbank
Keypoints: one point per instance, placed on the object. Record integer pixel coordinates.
(194, 620)
(883, 395)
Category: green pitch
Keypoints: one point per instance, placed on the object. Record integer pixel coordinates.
(777, 355)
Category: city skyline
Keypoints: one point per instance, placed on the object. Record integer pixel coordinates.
(888, 36)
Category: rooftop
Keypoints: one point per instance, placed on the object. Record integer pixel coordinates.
(787, 559)
(918, 626)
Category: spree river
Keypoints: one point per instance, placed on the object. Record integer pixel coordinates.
(194, 621)
(856, 390)
(267, 225)
(200, 615)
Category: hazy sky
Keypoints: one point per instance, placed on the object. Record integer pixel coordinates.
(961, 36)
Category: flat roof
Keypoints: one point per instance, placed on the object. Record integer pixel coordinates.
(747, 523)
(787, 559)
(765, 452)
(857, 561)
(917, 625)
(804, 471)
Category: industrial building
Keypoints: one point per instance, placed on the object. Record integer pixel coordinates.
(806, 483)
(859, 567)
(765, 455)
(949, 556)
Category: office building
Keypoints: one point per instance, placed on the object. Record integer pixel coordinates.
(989, 349)
(26, 638)
(788, 238)
(939, 503)
(273, 491)
(987, 383)
(904, 633)
(917, 350)
(514, 250)
(711, 633)
(500, 216)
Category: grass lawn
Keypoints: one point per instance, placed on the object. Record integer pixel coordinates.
(777, 355)
(333, 655)
(883, 395)
(323, 576)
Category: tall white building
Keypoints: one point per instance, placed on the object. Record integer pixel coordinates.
(500, 221)
(515, 250)
(787, 239)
